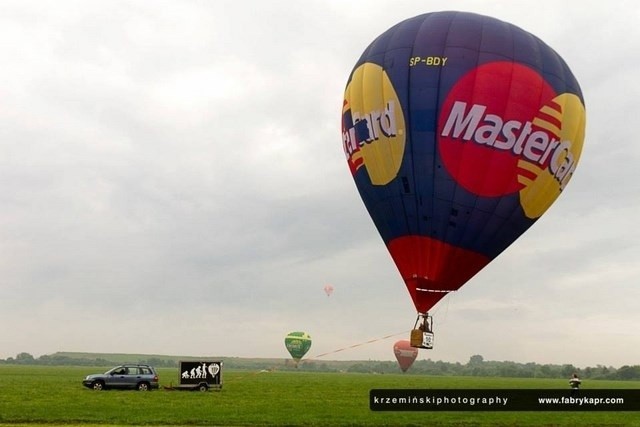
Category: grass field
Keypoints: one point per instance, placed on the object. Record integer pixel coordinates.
(54, 396)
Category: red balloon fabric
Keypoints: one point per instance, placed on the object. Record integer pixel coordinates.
(405, 354)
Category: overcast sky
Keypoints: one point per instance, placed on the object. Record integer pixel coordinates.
(172, 181)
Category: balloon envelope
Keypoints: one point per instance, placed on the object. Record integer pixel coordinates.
(405, 354)
(298, 344)
(328, 289)
(460, 131)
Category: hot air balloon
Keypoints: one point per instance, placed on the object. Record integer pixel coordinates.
(460, 131)
(405, 354)
(328, 289)
(298, 344)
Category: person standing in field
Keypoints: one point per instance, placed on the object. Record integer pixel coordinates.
(575, 382)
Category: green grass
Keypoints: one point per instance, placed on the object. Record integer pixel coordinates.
(55, 396)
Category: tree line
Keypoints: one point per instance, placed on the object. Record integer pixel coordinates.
(64, 360)
(476, 366)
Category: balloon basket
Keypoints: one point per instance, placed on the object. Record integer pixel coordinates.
(416, 338)
(422, 332)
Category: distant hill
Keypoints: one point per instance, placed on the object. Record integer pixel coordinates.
(122, 357)
(162, 360)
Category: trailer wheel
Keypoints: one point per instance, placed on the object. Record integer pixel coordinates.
(203, 387)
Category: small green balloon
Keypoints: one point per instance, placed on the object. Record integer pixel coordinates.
(298, 344)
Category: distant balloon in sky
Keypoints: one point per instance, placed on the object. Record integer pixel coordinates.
(460, 131)
(298, 344)
(405, 354)
(328, 289)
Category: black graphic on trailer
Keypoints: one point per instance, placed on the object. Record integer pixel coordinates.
(197, 372)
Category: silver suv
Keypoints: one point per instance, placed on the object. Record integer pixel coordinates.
(134, 376)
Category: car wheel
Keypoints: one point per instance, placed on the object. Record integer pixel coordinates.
(97, 385)
(143, 387)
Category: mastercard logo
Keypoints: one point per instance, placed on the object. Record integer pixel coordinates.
(373, 125)
(497, 139)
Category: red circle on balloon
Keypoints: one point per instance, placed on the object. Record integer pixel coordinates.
(473, 151)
